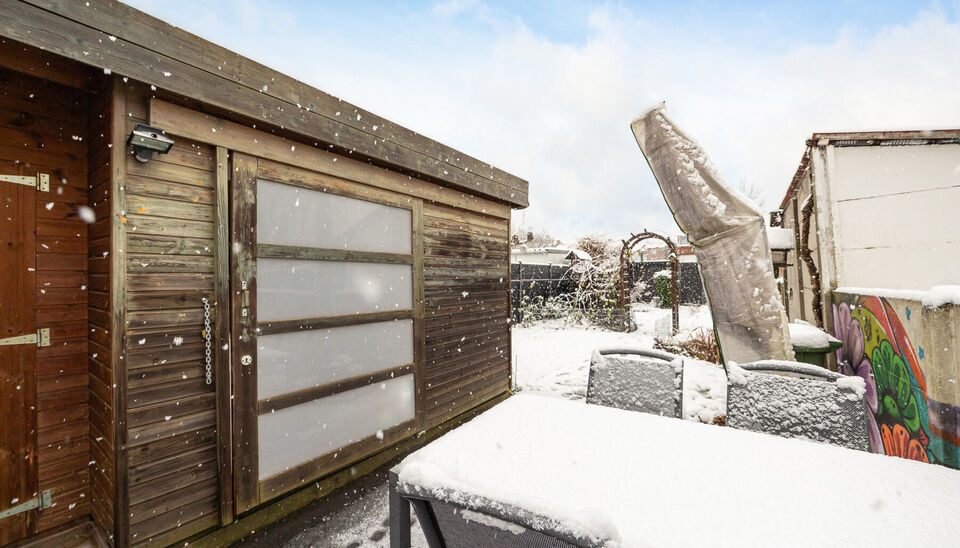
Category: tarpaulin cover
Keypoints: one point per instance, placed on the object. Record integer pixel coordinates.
(728, 237)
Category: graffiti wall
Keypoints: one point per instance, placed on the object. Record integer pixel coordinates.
(904, 420)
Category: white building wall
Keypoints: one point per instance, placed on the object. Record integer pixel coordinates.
(896, 215)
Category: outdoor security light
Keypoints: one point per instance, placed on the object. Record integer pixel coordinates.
(147, 140)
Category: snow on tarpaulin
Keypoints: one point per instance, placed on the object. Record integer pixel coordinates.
(727, 232)
(654, 481)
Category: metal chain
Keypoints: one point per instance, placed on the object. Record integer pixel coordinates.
(207, 340)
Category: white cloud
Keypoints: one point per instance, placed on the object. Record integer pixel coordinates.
(450, 8)
(558, 114)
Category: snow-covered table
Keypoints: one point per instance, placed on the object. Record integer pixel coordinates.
(617, 478)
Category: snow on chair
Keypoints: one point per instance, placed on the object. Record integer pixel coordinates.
(796, 400)
(637, 379)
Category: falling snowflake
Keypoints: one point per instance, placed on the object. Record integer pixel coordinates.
(86, 214)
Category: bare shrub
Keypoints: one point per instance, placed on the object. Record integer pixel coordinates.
(699, 343)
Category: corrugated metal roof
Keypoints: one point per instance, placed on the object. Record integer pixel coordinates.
(917, 136)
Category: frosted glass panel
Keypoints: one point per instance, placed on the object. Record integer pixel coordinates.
(292, 288)
(290, 215)
(292, 361)
(301, 433)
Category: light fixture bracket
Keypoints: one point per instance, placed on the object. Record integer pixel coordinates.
(147, 141)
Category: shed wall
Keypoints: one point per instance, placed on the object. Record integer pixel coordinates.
(101, 347)
(799, 286)
(168, 242)
(466, 279)
(168, 248)
(895, 221)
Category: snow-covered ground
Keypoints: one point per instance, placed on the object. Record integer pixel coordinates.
(551, 357)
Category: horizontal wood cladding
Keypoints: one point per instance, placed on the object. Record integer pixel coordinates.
(102, 396)
(466, 308)
(43, 129)
(154, 52)
(218, 131)
(171, 412)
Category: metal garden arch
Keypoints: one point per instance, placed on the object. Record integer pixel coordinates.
(626, 282)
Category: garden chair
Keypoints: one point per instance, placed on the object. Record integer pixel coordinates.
(637, 379)
(476, 524)
(811, 403)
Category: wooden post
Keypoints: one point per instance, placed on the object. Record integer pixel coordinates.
(222, 352)
(675, 290)
(118, 296)
(399, 516)
(243, 293)
(419, 318)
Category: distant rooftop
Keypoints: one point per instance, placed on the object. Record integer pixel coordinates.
(552, 255)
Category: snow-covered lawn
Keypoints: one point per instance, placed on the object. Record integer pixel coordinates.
(553, 357)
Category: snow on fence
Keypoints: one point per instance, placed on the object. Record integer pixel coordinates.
(550, 280)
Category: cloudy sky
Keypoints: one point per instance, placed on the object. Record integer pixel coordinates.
(547, 90)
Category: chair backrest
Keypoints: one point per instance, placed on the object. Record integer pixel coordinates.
(792, 369)
(634, 379)
(831, 411)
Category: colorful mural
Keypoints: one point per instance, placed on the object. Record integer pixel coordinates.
(903, 421)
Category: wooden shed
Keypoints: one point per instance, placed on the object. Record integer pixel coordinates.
(295, 289)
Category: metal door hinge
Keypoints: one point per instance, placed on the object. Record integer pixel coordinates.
(45, 500)
(41, 181)
(40, 338)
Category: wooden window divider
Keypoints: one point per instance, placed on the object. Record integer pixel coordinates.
(283, 401)
(324, 322)
(278, 251)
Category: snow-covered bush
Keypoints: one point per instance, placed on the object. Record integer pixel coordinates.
(534, 309)
(662, 284)
(597, 282)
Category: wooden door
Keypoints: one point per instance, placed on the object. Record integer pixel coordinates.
(18, 361)
(327, 323)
